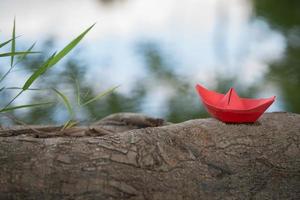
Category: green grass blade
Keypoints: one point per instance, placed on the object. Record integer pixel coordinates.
(69, 47)
(19, 88)
(37, 73)
(7, 42)
(55, 58)
(26, 54)
(69, 124)
(7, 54)
(65, 101)
(78, 92)
(13, 44)
(24, 106)
(13, 99)
(100, 95)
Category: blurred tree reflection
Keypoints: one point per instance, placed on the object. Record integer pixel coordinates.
(182, 102)
(65, 78)
(285, 17)
(183, 105)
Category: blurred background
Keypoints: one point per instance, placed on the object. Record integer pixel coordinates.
(156, 50)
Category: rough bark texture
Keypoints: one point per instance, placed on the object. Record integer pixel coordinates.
(130, 156)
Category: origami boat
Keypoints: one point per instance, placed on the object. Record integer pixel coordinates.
(230, 108)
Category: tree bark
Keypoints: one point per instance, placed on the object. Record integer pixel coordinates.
(131, 156)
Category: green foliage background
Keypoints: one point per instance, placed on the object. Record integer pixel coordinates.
(283, 16)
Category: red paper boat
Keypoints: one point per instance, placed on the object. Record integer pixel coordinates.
(230, 108)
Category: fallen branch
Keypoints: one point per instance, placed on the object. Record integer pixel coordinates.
(131, 156)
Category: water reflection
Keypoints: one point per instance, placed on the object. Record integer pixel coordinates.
(158, 59)
(285, 73)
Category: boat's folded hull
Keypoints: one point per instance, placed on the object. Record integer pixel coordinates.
(230, 108)
(234, 116)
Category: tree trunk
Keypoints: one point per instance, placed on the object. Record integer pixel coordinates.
(131, 156)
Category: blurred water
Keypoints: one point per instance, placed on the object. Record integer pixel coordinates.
(156, 50)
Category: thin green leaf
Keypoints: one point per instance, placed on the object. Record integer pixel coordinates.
(19, 88)
(65, 101)
(69, 47)
(13, 99)
(7, 42)
(55, 58)
(18, 53)
(37, 73)
(13, 44)
(100, 95)
(23, 57)
(77, 92)
(26, 54)
(24, 106)
(69, 124)
(86, 93)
